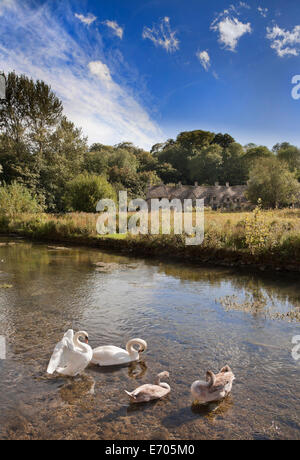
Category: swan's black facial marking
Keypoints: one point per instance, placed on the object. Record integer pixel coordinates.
(86, 339)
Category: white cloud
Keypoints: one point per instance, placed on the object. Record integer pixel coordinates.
(36, 43)
(162, 35)
(263, 11)
(87, 20)
(230, 28)
(284, 42)
(118, 30)
(101, 70)
(204, 59)
(6, 5)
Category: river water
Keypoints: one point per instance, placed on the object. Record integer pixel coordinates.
(174, 307)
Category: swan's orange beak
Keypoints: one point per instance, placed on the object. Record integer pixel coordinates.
(86, 340)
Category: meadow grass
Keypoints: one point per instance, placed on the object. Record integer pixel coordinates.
(261, 235)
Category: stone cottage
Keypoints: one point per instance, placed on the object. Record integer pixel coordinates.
(215, 196)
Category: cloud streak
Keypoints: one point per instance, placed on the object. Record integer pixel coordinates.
(114, 26)
(162, 35)
(37, 43)
(284, 42)
(87, 20)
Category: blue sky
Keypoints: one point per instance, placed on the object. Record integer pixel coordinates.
(143, 71)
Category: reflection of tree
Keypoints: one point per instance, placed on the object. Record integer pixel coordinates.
(274, 286)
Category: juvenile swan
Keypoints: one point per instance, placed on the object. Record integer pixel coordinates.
(70, 356)
(110, 355)
(149, 392)
(215, 388)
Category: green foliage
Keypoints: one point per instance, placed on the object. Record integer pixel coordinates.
(273, 183)
(45, 152)
(253, 154)
(195, 139)
(39, 147)
(205, 164)
(291, 156)
(224, 140)
(257, 230)
(16, 199)
(84, 192)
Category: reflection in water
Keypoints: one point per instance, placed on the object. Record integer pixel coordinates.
(77, 389)
(174, 308)
(136, 370)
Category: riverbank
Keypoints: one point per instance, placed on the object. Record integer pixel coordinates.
(266, 240)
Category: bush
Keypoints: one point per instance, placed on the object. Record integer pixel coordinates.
(16, 199)
(84, 192)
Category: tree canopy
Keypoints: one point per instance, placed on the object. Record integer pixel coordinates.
(46, 153)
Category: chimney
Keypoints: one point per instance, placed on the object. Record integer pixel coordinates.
(227, 184)
(196, 184)
(216, 184)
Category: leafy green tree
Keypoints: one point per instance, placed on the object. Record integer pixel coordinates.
(195, 139)
(290, 154)
(147, 162)
(280, 146)
(85, 190)
(60, 162)
(273, 183)
(256, 153)
(31, 109)
(224, 140)
(39, 147)
(205, 165)
(233, 168)
(16, 199)
(178, 158)
(167, 173)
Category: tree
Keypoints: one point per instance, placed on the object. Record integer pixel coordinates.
(39, 147)
(31, 109)
(290, 154)
(84, 192)
(167, 173)
(224, 140)
(147, 162)
(233, 169)
(205, 165)
(178, 158)
(60, 162)
(195, 139)
(255, 154)
(273, 183)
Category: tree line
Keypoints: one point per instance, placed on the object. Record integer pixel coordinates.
(44, 152)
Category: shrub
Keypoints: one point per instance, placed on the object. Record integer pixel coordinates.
(84, 192)
(16, 199)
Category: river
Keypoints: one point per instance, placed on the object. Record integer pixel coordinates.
(174, 307)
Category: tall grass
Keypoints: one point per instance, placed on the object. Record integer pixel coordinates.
(269, 233)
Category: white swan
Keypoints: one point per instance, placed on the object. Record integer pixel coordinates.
(111, 356)
(70, 356)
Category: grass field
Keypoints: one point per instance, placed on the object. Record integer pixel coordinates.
(263, 235)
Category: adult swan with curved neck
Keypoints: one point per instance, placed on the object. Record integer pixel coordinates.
(110, 355)
(71, 356)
